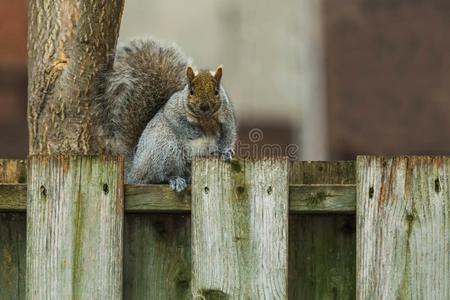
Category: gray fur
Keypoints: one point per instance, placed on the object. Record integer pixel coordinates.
(145, 74)
(165, 150)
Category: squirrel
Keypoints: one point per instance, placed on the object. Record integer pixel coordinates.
(159, 113)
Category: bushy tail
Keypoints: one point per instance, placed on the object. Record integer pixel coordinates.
(145, 74)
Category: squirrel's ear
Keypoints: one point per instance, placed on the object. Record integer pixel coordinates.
(190, 73)
(218, 73)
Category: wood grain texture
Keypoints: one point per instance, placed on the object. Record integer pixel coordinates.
(403, 222)
(74, 228)
(12, 237)
(157, 257)
(13, 171)
(239, 229)
(158, 198)
(322, 247)
(13, 197)
(322, 198)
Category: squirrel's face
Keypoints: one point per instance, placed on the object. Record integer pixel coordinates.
(204, 92)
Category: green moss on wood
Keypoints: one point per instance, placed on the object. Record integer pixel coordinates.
(212, 295)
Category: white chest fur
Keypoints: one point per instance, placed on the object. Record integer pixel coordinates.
(202, 146)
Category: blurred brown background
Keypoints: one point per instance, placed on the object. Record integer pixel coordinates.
(13, 79)
(339, 78)
(388, 76)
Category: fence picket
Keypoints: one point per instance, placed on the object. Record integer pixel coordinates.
(403, 228)
(74, 228)
(240, 229)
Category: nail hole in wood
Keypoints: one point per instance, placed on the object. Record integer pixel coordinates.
(206, 190)
(105, 188)
(409, 218)
(240, 190)
(371, 192)
(269, 190)
(43, 191)
(437, 185)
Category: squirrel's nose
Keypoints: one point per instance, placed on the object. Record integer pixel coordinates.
(204, 107)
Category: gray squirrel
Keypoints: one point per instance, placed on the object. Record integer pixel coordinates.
(159, 113)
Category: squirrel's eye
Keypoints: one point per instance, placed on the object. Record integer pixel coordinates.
(191, 92)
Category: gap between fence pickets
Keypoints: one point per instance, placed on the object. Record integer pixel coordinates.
(154, 198)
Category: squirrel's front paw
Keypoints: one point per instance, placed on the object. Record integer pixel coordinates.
(178, 184)
(227, 156)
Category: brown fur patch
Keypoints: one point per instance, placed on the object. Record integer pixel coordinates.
(203, 91)
(204, 83)
(203, 88)
(210, 127)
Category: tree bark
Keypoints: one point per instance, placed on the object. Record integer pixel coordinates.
(69, 42)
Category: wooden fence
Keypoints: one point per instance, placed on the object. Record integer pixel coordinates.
(264, 229)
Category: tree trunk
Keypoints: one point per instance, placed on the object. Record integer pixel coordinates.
(69, 42)
(75, 204)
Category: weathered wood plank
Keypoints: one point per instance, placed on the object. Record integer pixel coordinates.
(322, 247)
(12, 237)
(157, 257)
(322, 172)
(74, 228)
(12, 255)
(13, 197)
(13, 171)
(403, 222)
(239, 229)
(322, 198)
(157, 198)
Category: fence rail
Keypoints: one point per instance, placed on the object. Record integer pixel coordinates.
(158, 198)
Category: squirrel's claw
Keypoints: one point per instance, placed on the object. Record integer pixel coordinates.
(227, 156)
(178, 184)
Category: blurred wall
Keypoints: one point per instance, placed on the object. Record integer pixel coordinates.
(374, 74)
(388, 76)
(13, 79)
